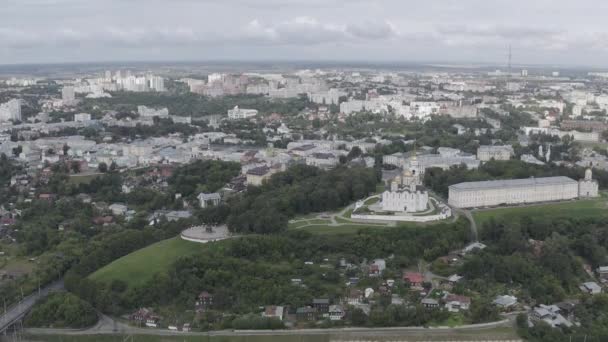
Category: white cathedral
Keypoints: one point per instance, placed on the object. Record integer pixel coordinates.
(588, 187)
(406, 194)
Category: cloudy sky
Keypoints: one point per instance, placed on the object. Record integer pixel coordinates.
(540, 31)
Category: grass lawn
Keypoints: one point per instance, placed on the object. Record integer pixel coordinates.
(304, 223)
(343, 229)
(371, 201)
(140, 266)
(18, 264)
(454, 320)
(581, 209)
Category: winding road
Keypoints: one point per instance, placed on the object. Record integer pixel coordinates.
(469, 216)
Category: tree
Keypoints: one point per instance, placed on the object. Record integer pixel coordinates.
(62, 310)
(102, 167)
(316, 123)
(483, 311)
(354, 153)
(358, 317)
(75, 166)
(17, 150)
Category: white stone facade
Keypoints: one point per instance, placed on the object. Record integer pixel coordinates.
(405, 195)
(487, 153)
(519, 191)
(588, 187)
(237, 113)
(405, 200)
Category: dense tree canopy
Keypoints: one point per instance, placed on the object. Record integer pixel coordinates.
(252, 271)
(300, 190)
(62, 310)
(203, 176)
(190, 104)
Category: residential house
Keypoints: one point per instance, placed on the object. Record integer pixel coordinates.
(103, 220)
(505, 302)
(47, 197)
(145, 317)
(257, 175)
(591, 288)
(377, 267)
(602, 272)
(456, 303)
(566, 309)
(321, 305)
(171, 216)
(384, 290)
(430, 303)
(306, 313)
(208, 200)
(550, 314)
(118, 209)
(274, 311)
(84, 198)
(414, 279)
(355, 297)
(336, 312)
(203, 302)
(454, 278)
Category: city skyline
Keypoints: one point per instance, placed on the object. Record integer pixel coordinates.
(471, 31)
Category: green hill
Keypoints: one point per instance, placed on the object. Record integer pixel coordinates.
(140, 266)
(581, 209)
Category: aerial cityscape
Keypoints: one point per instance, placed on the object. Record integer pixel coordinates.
(321, 178)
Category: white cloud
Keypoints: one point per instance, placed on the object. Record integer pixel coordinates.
(310, 31)
(296, 31)
(432, 29)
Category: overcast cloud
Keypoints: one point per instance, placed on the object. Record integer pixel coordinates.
(540, 31)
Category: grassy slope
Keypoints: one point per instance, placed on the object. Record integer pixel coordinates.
(582, 209)
(140, 266)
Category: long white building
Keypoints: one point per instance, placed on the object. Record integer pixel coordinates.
(520, 191)
(486, 153)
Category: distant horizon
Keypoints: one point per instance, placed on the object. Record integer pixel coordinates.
(568, 34)
(439, 64)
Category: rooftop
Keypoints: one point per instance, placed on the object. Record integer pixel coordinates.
(513, 183)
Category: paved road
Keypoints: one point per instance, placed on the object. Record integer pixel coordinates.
(17, 311)
(467, 214)
(107, 326)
